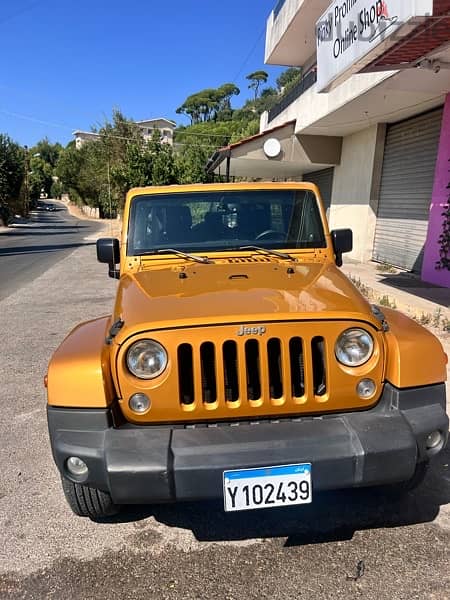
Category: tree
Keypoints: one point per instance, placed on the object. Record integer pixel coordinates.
(40, 176)
(257, 78)
(191, 163)
(289, 78)
(224, 111)
(48, 152)
(210, 104)
(12, 172)
(200, 106)
(101, 172)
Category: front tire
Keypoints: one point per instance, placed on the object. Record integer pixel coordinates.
(88, 502)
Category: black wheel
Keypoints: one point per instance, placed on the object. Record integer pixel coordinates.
(88, 502)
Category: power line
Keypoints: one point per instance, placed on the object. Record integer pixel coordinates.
(35, 120)
(114, 136)
(20, 11)
(250, 54)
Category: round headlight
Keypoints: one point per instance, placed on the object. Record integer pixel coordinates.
(354, 347)
(146, 359)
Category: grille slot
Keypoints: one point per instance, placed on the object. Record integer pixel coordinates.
(297, 363)
(208, 368)
(319, 369)
(185, 374)
(252, 364)
(275, 369)
(230, 368)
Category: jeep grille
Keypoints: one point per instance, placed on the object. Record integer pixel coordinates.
(252, 370)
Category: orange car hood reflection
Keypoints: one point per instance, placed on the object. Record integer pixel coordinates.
(214, 294)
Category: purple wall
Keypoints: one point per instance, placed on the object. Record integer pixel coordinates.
(439, 199)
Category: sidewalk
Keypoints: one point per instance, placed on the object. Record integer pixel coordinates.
(404, 290)
(112, 227)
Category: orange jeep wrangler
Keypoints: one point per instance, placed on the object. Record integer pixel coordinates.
(239, 362)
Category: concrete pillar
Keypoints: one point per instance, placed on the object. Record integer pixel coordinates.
(356, 188)
(439, 201)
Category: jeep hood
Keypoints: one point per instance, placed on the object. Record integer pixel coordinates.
(236, 293)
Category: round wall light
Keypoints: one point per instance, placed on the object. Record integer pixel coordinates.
(272, 148)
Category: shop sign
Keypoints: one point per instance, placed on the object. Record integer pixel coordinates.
(350, 29)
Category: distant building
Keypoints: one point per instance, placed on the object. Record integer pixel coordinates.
(147, 126)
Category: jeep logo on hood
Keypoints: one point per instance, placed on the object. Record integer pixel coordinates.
(258, 330)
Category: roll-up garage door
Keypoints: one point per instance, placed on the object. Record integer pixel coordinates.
(406, 189)
(324, 181)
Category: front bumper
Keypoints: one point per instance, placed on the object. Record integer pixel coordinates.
(148, 464)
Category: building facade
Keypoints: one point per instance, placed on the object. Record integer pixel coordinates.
(369, 122)
(164, 126)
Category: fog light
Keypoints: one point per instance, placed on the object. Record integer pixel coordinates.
(76, 466)
(434, 440)
(139, 403)
(366, 388)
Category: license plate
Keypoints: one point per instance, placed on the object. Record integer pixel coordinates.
(267, 487)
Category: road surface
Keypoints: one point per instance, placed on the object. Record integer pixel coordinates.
(361, 544)
(27, 250)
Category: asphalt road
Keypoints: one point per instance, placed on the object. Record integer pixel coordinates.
(28, 249)
(186, 551)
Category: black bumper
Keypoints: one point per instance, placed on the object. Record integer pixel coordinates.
(160, 464)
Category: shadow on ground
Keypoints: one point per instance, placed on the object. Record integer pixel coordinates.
(408, 282)
(333, 516)
(19, 250)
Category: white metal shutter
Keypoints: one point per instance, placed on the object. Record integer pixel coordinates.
(324, 181)
(406, 188)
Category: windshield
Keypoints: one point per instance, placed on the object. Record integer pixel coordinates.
(213, 221)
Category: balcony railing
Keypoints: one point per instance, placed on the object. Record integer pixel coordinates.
(278, 7)
(295, 92)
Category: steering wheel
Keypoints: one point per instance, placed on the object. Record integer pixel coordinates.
(271, 234)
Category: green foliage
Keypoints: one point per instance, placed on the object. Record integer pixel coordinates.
(437, 315)
(40, 176)
(386, 301)
(12, 171)
(386, 268)
(191, 163)
(211, 104)
(49, 153)
(257, 78)
(56, 190)
(444, 239)
(102, 171)
(289, 78)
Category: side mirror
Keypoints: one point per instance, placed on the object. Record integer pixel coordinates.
(342, 242)
(108, 251)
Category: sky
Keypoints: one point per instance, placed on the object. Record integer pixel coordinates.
(66, 64)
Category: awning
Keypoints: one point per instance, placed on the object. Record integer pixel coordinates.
(276, 153)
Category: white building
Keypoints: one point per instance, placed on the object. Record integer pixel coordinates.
(148, 126)
(369, 122)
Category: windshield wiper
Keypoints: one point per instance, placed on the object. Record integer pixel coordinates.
(199, 259)
(266, 251)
